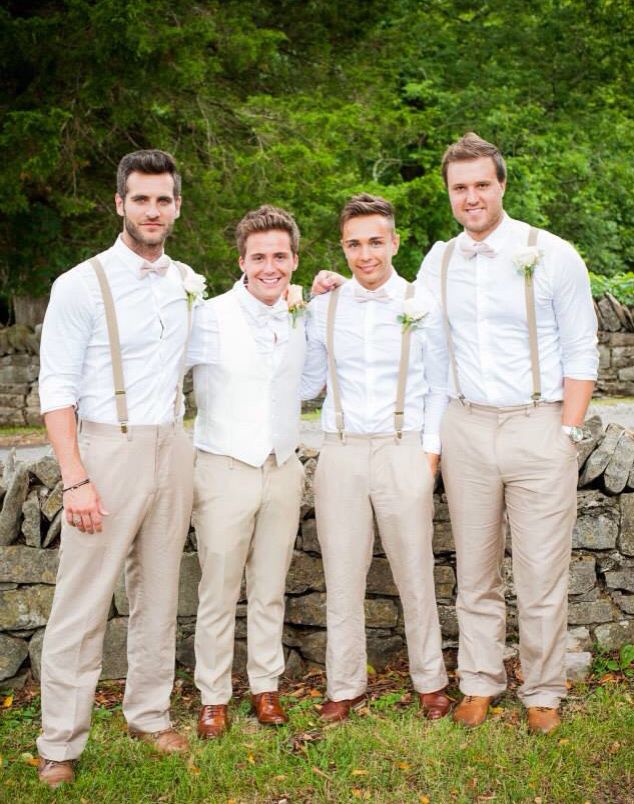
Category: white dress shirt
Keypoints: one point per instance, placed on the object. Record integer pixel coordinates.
(76, 368)
(367, 344)
(487, 312)
(269, 325)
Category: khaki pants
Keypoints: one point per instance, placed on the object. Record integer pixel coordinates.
(145, 482)
(245, 517)
(377, 475)
(523, 465)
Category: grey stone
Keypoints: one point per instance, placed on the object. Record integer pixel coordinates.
(8, 468)
(383, 650)
(448, 621)
(609, 319)
(598, 461)
(115, 656)
(620, 464)
(18, 374)
(240, 657)
(12, 653)
(592, 431)
(187, 588)
(35, 653)
(605, 356)
(596, 532)
(12, 505)
(17, 682)
(53, 503)
(313, 647)
(578, 665)
(46, 469)
(54, 529)
(311, 610)
(626, 537)
(621, 579)
(624, 602)
(615, 635)
(626, 374)
(578, 640)
(25, 607)
(306, 573)
(443, 538)
(20, 564)
(310, 542)
(582, 574)
(185, 653)
(380, 580)
(507, 575)
(31, 525)
(598, 611)
(295, 666)
(444, 581)
(308, 497)
(589, 596)
(5, 586)
(33, 416)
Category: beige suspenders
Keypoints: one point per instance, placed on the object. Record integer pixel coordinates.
(530, 319)
(115, 347)
(399, 411)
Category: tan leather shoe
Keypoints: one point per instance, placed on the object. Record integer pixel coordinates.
(268, 710)
(54, 773)
(542, 719)
(168, 741)
(472, 710)
(434, 705)
(213, 721)
(334, 711)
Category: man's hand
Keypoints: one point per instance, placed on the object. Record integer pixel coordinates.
(433, 460)
(326, 281)
(83, 509)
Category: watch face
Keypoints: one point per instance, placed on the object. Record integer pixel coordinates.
(576, 434)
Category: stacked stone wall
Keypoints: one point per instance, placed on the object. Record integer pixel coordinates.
(601, 596)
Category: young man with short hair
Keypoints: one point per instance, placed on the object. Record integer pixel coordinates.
(378, 342)
(248, 353)
(112, 357)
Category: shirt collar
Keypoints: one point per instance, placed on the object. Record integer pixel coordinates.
(497, 237)
(254, 306)
(128, 257)
(393, 287)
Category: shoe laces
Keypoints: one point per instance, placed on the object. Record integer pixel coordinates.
(543, 708)
(269, 698)
(214, 709)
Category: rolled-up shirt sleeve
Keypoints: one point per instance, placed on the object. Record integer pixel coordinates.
(204, 339)
(576, 318)
(66, 332)
(436, 361)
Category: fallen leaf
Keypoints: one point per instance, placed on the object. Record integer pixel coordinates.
(8, 702)
(29, 759)
(563, 741)
(315, 694)
(359, 772)
(423, 799)
(251, 759)
(538, 800)
(320, 772)
(280, 778)
(614, 747)
(497, 710)
(403, 765)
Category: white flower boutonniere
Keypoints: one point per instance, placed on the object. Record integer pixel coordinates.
(413, 314)
(297, 307)
(526, 260)
(194, 286)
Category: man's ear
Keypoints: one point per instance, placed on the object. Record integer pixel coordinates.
(177, 202)
(118, 202)
(396, 242)
(241, 264)
(295, 261)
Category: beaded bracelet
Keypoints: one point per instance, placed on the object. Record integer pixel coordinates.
(76, 486)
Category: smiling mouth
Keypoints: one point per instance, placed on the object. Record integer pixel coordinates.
(270, 280)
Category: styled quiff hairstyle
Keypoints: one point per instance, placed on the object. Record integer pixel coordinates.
(265, 219)
(473, 147)
(151, 161)
(365, 204)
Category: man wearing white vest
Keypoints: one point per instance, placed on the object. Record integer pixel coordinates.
(112, 355)
(522, 338)
(380, 345)
(248, 352)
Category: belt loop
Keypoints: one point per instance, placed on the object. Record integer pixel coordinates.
(81, 426)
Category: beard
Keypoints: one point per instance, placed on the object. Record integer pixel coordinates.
(137, 234)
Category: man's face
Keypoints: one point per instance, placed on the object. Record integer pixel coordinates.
(475, 194)
(369, 242)
(149, 210)
(268, 263)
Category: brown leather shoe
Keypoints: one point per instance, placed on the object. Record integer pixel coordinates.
(472, 710)
(334, 711)
(268, 710)
(54, 773)
(168, 741)
(542, 719)
(213, 721)
(434, 705)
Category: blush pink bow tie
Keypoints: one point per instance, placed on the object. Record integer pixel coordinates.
(158, 267)
(363, 295)
(469, 251)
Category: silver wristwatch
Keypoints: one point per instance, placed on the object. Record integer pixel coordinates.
(574, 433)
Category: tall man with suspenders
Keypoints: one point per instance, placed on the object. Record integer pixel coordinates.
(113, 353)
(379, 344)
(522, 343)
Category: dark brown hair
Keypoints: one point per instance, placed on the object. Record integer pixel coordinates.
(265, 219)
(366, 204)
(470, 146)
(151, 161)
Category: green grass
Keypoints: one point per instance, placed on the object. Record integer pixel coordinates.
(311, 416)
(386, 754)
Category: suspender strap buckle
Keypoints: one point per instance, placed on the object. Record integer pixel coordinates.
(399, 418)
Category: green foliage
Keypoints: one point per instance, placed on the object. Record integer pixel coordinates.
(302, 104)
(621, 286)
(621, 662)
